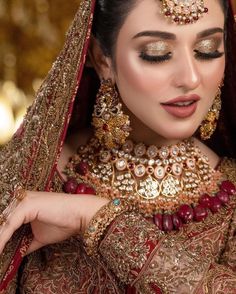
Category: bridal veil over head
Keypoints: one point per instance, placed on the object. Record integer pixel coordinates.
(30, 158)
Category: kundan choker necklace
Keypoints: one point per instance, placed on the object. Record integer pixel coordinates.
(173, 182)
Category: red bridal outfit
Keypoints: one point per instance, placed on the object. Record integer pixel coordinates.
(135, 256)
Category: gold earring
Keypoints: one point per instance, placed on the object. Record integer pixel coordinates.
(209, 124)
(111, 125)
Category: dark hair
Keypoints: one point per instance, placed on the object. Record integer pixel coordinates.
(224, 139)
(108, 19)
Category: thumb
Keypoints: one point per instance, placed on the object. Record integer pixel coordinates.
(35, 245)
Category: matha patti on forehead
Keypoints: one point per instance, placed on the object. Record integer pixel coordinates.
(183, 11)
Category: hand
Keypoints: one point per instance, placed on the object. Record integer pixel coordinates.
(53, 217)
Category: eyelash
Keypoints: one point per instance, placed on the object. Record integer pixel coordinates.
(162, 58)
(155, 59)
(208, 56)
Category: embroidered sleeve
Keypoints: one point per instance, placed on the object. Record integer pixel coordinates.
(229, 255)
(199, 259)
(152, 262)
(218, 279)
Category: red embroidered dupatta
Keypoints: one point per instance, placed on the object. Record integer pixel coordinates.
(30, 158)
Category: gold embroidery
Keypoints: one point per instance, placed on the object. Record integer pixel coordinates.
(179, 260)
(228, 257)
(57, 183)
(29, 157)
(65, 268)
(219, 280)
(228, 167)
(11, 287)
(126, 247)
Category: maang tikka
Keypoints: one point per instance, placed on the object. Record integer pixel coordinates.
(111, 125)
(209, 124)
(183, 11)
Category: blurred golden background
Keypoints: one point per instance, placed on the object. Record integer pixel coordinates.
(32, 33)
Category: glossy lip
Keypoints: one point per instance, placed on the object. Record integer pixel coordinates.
(187, 98)
(181, 111)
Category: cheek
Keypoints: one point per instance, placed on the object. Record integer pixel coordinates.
(143, 86)
(139, 78)
(213, 78)
(214, 74)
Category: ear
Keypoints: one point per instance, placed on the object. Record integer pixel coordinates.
(101, 63)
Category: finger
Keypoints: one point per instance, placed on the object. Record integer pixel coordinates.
(10, 216)
(13, 222)
(35, 245)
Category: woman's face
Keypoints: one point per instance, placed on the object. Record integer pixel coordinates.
(168, 74)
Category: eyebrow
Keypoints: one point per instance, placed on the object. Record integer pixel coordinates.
(209, 32)
(160, 34)
(170, 36)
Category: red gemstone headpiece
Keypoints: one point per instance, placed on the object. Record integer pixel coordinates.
(183, 11)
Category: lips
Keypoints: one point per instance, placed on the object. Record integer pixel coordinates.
(182, 106)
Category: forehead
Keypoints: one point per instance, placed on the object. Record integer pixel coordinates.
(148, 15)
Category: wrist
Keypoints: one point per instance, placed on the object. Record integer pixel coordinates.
(100, 222)
(85, 208)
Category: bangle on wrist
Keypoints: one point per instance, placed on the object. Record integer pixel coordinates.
(99, 223)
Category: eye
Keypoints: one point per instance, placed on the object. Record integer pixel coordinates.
(208, 49)
(208, 56)
(156, 52)
(155, 58)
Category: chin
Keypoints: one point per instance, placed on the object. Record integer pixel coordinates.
(185, 129)
(179, 134)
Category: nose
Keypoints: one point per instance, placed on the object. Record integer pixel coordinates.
(187, 75)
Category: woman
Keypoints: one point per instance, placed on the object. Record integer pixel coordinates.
(170, 226)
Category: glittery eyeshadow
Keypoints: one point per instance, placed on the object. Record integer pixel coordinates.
(207, 46)
(157, 48)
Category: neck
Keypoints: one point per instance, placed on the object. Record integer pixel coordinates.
(142, 133)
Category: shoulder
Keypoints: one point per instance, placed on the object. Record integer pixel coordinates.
(225, 165)
(214, 159)
(228, 167)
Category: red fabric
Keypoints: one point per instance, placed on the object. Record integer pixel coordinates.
(26, 237)
(16, 261)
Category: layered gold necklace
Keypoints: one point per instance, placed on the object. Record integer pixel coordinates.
(155, 180)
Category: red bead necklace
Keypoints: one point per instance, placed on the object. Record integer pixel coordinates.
(82, 181)
(185, 214)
